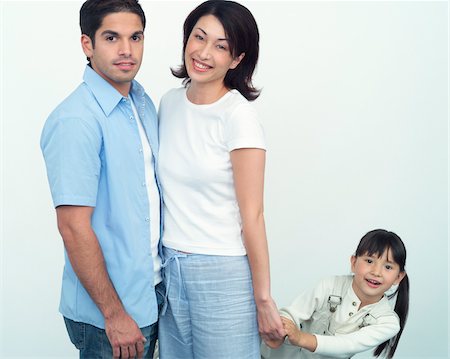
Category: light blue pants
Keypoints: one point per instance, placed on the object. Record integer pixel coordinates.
(211, 312)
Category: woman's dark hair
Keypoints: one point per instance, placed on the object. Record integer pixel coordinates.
(241, 30)
(376, 242)
(93, 12)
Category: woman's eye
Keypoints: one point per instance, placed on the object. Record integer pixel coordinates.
(199, 37)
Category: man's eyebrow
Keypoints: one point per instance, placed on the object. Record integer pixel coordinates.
(224, 39)
(115, 33)
(110, 32)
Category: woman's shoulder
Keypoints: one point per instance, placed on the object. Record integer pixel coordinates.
(237, 106)
(173, 94)
(235, 99)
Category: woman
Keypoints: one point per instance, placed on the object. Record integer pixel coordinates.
(212, 155)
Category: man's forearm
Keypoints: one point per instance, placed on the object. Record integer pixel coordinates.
(87, 259)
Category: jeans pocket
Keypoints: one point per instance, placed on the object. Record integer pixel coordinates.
(76, 331)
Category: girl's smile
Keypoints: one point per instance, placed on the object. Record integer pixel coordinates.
(374, 275)
(373, 283)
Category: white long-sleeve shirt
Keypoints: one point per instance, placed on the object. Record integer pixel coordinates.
(342, 333)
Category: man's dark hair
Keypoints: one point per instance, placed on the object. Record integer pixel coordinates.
(93, 12)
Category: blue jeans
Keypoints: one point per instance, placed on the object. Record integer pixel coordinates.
(93, 343)
(210, 312)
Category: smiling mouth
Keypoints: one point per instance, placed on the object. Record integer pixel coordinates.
(373, 283)
(200, 66)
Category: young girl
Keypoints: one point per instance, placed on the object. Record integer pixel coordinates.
(212, 156)
(345, 315)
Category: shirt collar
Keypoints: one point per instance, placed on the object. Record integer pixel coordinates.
(354, 298)
(106, 95)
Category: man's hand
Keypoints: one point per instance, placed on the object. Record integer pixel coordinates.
(125, 336)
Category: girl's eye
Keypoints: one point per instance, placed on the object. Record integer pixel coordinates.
(368, 260)
(221, 47)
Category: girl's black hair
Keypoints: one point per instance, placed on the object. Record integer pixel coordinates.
(241, 30)
(377, 242)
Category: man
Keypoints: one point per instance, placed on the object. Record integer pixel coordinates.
(100, 147)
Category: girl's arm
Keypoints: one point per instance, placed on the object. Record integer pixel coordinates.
(366, 338)
(248, 172)
(384, 328)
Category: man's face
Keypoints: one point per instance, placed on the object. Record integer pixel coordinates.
(119, 45)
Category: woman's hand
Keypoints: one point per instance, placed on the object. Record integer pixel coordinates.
(270, 324)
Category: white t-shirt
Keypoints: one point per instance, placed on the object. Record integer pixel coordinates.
(153, 197)
(201, 211)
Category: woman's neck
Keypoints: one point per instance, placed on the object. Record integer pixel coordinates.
(200, 94)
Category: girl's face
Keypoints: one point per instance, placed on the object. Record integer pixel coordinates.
(207, 55)
(374, 275)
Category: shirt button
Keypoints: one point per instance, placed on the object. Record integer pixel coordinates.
(354, 304)
(143, 184)
(350, 314)
(147, 219)
(140, 150)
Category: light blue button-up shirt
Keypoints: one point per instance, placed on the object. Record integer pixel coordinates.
(94, 157)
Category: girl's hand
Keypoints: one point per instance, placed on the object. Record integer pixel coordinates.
(269, 323)
(292, 331)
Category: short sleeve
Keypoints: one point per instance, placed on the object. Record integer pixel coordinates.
(243, 129)
(71, 149)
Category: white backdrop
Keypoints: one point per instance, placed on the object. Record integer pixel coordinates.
(355, 108)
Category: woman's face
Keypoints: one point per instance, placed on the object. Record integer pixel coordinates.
(207, 55)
